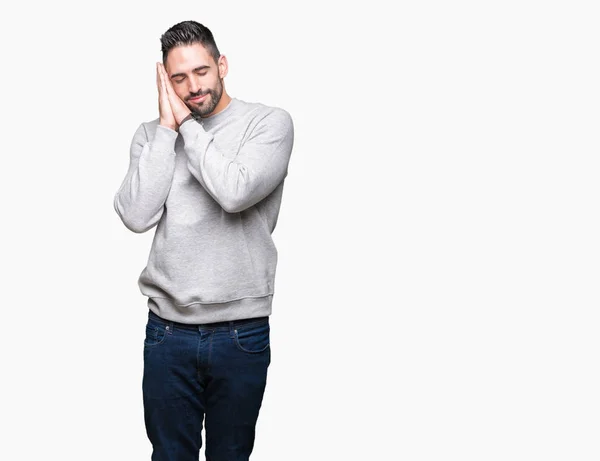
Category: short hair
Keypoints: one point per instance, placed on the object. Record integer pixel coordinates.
(188, 33)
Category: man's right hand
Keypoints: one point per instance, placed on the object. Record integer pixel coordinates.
(164, 106)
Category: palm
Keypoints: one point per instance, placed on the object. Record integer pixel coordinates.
(164, 106)
(178, 107)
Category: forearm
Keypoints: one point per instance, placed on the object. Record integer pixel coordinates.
(140, 200)
(239, 183)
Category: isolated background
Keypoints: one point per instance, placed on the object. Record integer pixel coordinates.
(437, 287)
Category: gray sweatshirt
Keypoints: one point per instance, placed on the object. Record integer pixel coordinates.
(214, 191)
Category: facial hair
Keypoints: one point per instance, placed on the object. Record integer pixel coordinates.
(209, 104)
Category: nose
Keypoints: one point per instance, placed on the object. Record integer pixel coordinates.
(194, 86)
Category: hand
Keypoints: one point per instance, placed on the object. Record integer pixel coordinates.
(164, 106)
(178, 107)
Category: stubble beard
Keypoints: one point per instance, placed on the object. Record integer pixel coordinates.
(209, 104)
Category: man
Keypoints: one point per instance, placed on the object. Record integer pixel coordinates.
(209, 174)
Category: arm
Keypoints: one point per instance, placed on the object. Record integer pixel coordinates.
(139, 202)
(260, 166)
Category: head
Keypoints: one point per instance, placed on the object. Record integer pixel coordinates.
(195, 67)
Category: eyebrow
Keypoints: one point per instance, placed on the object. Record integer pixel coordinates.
(181, 74)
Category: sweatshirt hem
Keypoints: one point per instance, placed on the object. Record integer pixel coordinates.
(198, 313)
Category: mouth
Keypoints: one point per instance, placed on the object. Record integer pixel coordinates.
(199, 98)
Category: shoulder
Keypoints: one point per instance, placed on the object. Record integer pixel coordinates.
(265, 114)
(149, 127)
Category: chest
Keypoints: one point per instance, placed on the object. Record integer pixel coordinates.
(188, 200)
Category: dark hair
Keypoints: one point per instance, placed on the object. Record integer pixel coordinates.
(188, 33)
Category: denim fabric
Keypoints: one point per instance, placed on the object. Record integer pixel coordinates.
(214, 374)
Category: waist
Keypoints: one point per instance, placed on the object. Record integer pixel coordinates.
(227, 324)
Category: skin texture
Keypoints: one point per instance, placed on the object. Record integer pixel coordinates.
(178, 82)
(164, 106)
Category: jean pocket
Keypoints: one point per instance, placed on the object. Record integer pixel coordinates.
(156, 333)
(252, 338)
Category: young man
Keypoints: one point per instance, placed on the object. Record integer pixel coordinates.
(209, 173)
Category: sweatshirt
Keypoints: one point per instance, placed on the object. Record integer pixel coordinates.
(213, 190)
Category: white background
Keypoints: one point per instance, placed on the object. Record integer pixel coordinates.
(437, 286)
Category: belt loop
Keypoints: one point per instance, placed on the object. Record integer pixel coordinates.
(170, 326)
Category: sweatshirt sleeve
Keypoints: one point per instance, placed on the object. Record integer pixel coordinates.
(139, 202)
(259, 167)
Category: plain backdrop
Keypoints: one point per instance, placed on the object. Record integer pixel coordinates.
(437, 285)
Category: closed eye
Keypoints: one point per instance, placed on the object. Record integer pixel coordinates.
(183, 79)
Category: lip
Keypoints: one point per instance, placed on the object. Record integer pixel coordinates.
(199, 98)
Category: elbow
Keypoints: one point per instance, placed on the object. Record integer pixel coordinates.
(239, 202)
(138, 227)
(133, 221)
(235, 206)
(250, 195)
(242, 200)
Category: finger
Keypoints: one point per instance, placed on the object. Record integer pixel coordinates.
(160, 91)
(173, 97)
(159, 71)
(163, 83)
(157, 76)
(169, 88)
(160, 83)
(164, 79)
(166, 92)
(164, 103)
(170, 92)
(163, 72)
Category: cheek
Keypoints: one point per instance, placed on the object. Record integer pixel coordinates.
(212, 83)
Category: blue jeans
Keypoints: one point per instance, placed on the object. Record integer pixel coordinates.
(213, 371)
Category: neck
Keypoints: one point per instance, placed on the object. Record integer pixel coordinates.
(223, 102)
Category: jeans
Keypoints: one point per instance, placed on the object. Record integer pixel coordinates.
(214, 371)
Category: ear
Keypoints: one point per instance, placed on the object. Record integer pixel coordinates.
(223, 66)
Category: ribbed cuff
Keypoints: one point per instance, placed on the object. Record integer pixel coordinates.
(189, 116)
(191, 128)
